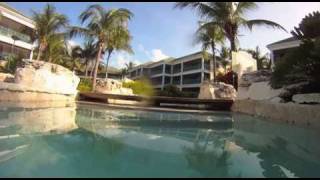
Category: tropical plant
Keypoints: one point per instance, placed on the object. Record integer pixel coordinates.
(89, 53)
(224, 57)
(209, 36)
(55, 51)
(119, 39)
(104, 26)
(130, 65)
(262, 60)
(76, 56)
(229, 16)
(299, 65)
(140, 87)
(308, 27)
(48, 25)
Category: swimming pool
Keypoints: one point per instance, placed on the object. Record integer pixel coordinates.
(91, 141)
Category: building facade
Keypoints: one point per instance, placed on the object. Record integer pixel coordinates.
(280, 48)
(15, 32)
(187, 72)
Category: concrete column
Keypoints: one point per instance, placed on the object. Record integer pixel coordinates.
(163, 76)
(181, 76)
(272, 60)
(202, 69)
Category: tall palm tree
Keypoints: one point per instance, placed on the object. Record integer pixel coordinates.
(48, 24)
(118, 40)
(89, 53)
(76, 56)
(209, 36)
(102, 25)
(130, 65)
(262, 60)
(224, 57)
(229, 16)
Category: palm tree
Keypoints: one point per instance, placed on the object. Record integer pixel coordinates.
(229, 16)
(47, 25)
(118, 40)
(130, 65)
(224, 57)
(262, 60)
(76, 56)
(209, 36)
(105, 27)
(89, 53)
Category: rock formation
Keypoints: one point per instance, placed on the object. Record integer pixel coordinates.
(39, 81)
(216, 90)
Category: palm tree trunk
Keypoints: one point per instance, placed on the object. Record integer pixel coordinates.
(96, 65)
(213, 63)
(109, 54)
(233, 48)
(86, 69)
(39, 52)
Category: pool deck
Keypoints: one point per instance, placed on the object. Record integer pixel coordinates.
(158, 101)
(150, 108)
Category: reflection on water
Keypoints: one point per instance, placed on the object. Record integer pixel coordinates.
(92, 142)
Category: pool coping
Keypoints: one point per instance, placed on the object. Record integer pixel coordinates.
(151, 108)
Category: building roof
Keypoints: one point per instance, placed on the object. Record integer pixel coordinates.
(5, 5)
(284, 41)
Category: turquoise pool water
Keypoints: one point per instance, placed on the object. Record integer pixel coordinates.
(93, 142)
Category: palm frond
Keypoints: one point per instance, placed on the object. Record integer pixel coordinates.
(263, 22)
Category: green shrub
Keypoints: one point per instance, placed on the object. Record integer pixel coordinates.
(298, 65)
(174, 91)
(85, 85)
(13, 61)
(140, 87)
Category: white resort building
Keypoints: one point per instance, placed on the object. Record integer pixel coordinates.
(186, 72)
(15, 32)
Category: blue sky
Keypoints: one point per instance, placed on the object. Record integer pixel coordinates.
(160, 31)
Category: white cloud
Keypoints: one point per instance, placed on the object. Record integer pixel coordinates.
(154, 55)
(123, 58)
(157, 55)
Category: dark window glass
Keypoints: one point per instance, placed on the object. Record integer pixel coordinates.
(192, 78)
(192, 65)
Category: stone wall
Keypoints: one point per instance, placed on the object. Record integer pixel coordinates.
(292, 113)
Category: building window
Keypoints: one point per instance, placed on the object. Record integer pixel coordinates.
(206, 76)
(192, 78)
(133, 73)
(176, 80)
(167, 80)
(176, 68)
(156, 81)
(207, 64)
(156, 70)
(145, 71)
(192, 65)
(168, 69)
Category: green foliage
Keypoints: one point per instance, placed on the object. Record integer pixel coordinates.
(308, 27)
(298, 65)
(140, 87)
(174, 91)
(12, 62)
(85, 85)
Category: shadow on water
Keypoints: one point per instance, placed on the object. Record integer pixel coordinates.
(92, 142)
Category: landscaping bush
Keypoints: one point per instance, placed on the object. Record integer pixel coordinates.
(299, 65)
(13, 61)
(140, 87)
(85, 85)
(174, 91)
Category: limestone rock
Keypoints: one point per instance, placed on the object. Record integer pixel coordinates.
(262, 91)
(216, 90)
(252, 77)
(111, 86)
(40, 81)
(6, 77)
(47, 77)
(311, 98)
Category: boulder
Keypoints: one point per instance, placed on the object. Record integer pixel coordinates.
(262, 91)
(6, 77)
(216, 90)
(48, 77)
(311, 98)
(252, 77)
(111, 86)
(40, 81)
